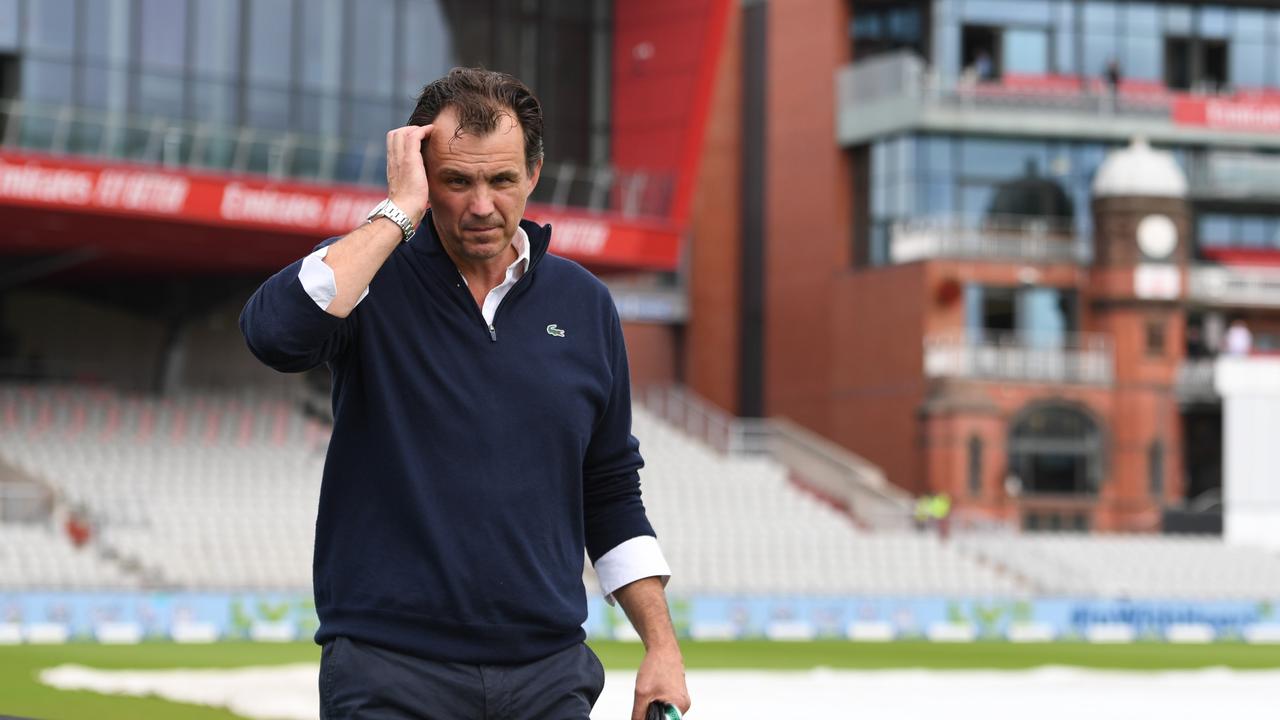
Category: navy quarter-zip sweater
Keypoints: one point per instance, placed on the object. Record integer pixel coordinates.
(467, 468)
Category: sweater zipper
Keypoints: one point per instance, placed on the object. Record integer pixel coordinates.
(493, 331)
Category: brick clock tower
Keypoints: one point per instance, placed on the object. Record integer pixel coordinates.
(1141, 239)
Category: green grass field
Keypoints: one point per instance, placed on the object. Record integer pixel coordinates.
(21, 694)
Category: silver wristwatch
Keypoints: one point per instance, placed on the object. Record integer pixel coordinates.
(388, 210)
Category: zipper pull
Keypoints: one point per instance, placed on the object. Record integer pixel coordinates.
(493, 333)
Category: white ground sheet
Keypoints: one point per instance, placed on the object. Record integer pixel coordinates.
(1053, 693)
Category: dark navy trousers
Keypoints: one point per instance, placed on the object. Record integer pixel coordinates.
(366, 682)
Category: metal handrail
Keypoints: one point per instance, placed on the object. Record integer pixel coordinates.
(178, 143)
(1067, 358)
(823, 466)
(1017, 237)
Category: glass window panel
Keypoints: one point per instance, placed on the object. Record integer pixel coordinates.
(1215, 230)
(879, 203)
(974, 200)
(1143, 58)
(1254, 231)
(1215, 22)
(1177, 20)
(8, 24)
(372, 62)
(946, 50)
(1000, 159)
(1100, 15)
(48, 27)
(1040, 317)
(369, 118)
(1003, 12)
(973, 321)
(269, 42)
(104, 87)
(160, 95)
(427, 44)
(905, 165)
(1248, 64)
(937, 158)
(163, 34)
(1064, 45)
(217, 44)
(267, 109)
(214, 102)
(47, 81)
(1251, 24)
(938, 198)
(1099, 49)
(904, 24)
(1026, 51)
(320, 114)
(1141, 18)
(868, 25)
(321, 34)
(106, 30)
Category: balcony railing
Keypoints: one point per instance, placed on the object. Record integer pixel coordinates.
(898, 92)
(176, 143)
(1234, 286)
(1195, 381)
(1234, 176)
(1073, 358)
(1011, 238)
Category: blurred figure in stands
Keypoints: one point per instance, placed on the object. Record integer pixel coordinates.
(1239, 340)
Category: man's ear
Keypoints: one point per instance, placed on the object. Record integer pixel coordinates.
(533, 178)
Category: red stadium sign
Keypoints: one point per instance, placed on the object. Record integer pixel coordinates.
(1245, 115)
(297, 209)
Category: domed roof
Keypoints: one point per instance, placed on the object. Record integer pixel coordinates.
(1139, 171)
(1031, 196)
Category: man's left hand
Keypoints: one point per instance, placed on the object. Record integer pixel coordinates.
(661, 677)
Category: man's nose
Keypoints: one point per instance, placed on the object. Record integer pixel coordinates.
(481, 202)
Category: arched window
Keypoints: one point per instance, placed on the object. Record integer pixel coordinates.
(1056, 448)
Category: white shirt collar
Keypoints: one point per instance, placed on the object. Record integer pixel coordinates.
(519, 266)
(521, 243)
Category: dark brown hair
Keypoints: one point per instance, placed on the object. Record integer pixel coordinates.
(480, 98)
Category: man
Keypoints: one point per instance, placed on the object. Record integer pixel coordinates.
(482, 436)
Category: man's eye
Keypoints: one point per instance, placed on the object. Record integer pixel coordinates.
(456, 182)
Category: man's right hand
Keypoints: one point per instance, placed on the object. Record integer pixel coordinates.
(407, 171)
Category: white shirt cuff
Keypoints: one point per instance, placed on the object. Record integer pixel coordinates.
(635, 559)
(317, 279)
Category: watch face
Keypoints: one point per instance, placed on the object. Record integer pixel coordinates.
(1157, 236)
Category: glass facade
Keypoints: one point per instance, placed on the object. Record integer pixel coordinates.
(340, 72)
(1188, 46)
(959, 176)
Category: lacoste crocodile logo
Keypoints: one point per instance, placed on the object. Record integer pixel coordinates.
(554, 331)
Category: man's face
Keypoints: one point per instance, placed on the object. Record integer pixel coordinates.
(478, 186)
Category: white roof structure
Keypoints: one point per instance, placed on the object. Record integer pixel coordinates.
(1140, 171)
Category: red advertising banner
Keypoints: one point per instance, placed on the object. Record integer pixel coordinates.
(1245, 115)
(293, 208)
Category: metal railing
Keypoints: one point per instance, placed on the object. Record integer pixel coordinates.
(186, 144)
(1234, 175)
(1073, 358)
(1254, 286)
(998, 237)
(1194, 382)
(823, 466)
(904, 75)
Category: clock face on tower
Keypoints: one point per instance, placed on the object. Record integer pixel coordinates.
(1157, 236)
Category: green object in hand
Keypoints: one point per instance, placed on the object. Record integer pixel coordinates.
(659, 710)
